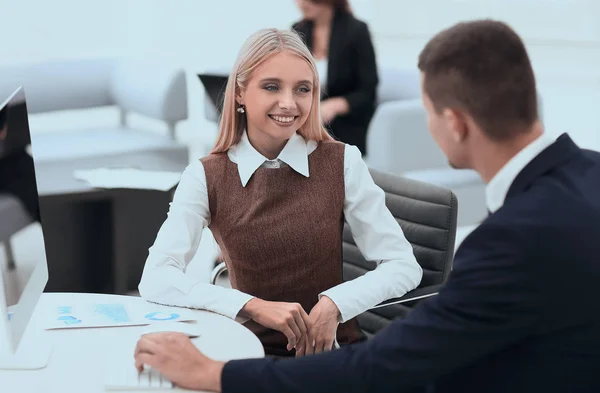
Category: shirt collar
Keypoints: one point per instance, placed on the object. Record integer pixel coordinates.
(294, 154)
(497, 188)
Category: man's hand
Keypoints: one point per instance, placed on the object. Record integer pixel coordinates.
(175, 357)
(323, 320)
(288, 318)
(333, 107)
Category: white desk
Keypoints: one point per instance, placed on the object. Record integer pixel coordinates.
(80, 356)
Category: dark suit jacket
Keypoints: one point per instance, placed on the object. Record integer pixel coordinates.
(351, 73)
(519, 313)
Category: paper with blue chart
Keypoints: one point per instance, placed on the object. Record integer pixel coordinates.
(113, 314)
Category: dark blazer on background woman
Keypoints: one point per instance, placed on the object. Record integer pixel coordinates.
(351, 73)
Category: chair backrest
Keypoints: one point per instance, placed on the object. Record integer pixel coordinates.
(149, 88)
(60, 84)
(13, 216)
(396, 84)
(427, 215)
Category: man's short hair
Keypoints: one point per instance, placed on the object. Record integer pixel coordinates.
(482, 67)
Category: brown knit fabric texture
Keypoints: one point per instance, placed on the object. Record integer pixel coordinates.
(281, 235)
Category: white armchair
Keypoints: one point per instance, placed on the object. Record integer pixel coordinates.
(153, 90)
(399, 142)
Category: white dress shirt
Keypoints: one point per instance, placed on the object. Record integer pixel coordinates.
(497, 188)
(375, 231)
(322, 71)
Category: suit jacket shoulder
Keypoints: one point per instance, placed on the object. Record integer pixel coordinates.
(350, 28)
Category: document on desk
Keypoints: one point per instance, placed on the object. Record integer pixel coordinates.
(113, 314)
(129, 178)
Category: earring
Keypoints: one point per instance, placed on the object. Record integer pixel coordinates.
(241, 109)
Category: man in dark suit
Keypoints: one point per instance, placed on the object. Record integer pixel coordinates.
(520, 310)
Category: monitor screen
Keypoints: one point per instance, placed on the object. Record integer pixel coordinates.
(23, 266)
(214, 85)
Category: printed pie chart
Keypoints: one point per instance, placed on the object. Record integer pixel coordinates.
(161, 316)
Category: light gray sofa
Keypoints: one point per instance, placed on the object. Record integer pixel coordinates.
(152, 90)
(399, 142)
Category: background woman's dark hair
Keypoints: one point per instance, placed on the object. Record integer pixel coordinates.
(482, 67)
(338, 5)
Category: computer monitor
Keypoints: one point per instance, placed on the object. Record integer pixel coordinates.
(23, 267)
(215, 84)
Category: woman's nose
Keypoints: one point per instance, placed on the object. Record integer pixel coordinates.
(286, 101)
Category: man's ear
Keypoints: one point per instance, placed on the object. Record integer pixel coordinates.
(456, 122)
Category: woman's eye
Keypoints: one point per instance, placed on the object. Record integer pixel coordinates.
(303, 89)
(270, 87)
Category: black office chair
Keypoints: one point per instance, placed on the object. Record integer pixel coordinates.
(427, 215)
(13, 218)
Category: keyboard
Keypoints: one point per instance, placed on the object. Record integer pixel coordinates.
(128, 378)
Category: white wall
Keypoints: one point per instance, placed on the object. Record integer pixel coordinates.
(37, 29)
(563, 38)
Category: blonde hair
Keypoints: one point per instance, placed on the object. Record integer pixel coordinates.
(258, 48)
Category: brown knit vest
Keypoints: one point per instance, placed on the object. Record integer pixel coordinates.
(281, 235)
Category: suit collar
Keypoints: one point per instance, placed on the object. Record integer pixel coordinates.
(496, 189)
(248, 159)
(557, 153)
(337, 39)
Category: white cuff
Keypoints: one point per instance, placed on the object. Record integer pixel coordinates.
(336, 294)
(224, 301)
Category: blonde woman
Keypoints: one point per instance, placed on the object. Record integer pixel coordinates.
(275, 192)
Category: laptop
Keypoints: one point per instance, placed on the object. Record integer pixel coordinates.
(214, 85)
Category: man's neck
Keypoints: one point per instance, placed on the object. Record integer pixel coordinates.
(493, 156)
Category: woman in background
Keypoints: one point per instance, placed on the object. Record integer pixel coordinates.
(342, 48)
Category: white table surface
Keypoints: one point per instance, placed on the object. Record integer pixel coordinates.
(80, 357)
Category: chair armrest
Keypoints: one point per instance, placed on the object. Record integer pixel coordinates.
(217, 271)
(150, 89)
(415, 294)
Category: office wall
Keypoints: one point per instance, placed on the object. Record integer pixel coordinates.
(37, 29)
